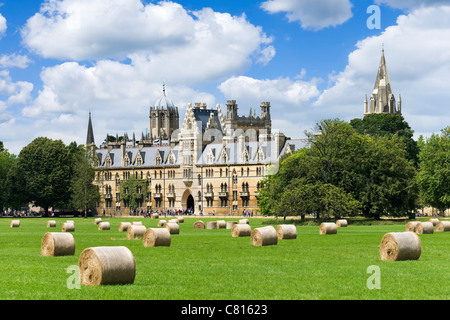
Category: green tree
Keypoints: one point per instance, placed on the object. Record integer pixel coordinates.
(85, 195)
(389, 125)
(42, 174)
(6, 162)
(134, 191)
(434, 171)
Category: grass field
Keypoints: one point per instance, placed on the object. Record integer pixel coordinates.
(212, 265)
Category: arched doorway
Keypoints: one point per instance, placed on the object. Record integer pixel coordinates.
(190, 203)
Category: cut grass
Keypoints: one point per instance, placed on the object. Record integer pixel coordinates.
(212, 265)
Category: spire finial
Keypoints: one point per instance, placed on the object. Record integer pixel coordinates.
(382, 47)
(164, 87)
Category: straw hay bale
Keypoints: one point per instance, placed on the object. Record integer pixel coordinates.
(161, 223)
(286, 231)
(328, 228)
(434, 221)
(424, 228)
(411, 226)
(68, 227)
(123, 226)
(443, 226)
(15, 223)
(51, 223)
(180, 219)
(244, 221)
(156, 237)
(154, 215)
(199, 224)
(58, 244)
(341, 223)
(264, 236)
(70, 221)
(396, 246)
(211, 225)
(230, 224)
(241, 230)
(173, 221)
(135, 231)
(221, 224)
(97, 220)
(104, 226)
(106, 266)
(173, 228)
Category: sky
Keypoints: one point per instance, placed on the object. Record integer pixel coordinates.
(312, 60)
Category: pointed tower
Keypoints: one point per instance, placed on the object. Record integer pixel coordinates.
(90, 133)
(164, 118)
(382, 99)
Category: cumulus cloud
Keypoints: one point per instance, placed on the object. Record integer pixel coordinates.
(14, 60)
(164, 38)
(411, 4)
(418, 63)
(312, 14)
(2, 25)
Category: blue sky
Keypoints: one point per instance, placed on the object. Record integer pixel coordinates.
(61, 59)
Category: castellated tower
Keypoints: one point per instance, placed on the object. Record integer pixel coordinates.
(382, 99)
(164, 118)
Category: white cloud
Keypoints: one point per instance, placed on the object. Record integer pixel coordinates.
(267, 54)
(312, 14)
(418, 63)
(164, 39)
(411, 4)
(2, 25)
(14, 60)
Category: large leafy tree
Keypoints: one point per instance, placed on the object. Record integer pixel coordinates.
(42, 174)
(389, 125)
(434, 172)
(134, 191)
(6, 162)
(342, 171)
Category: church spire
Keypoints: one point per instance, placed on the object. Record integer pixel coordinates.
(90, 132)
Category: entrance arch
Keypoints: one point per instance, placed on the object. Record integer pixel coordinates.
(187, 201)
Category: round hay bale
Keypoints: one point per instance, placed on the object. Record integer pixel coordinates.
(173, 228)
(154, 216)
(211, 225)
(70, 221)
(15, 223)
(286, 231)
(68, 227)
(199, 224)
(434, 221)
(221, 224)
(443, 226)
(104, 226)
(97, 220)
(244, 221)
(156, 237)
(230, 224)
(328, 228)
(264, 236)
(161, 223)
(58, 244)
(123, 226)
(106, 266)
(135, 231)
(137, 223)
(341, 223)
(411, 226)
(396, 246)
(180, 219)
(424, 228)
(173, 221)
(241, 230)
(51, 223)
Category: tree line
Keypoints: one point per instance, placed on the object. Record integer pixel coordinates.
(48, 174)
(370, 167)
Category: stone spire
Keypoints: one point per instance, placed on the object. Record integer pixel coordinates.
(382, 99)
(90, 132)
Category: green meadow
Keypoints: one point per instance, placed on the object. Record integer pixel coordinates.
(212, 265)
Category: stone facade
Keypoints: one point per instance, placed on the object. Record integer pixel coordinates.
(212, 163)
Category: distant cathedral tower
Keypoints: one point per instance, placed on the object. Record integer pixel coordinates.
(164, 118)
(90, 133)
(382, 99)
